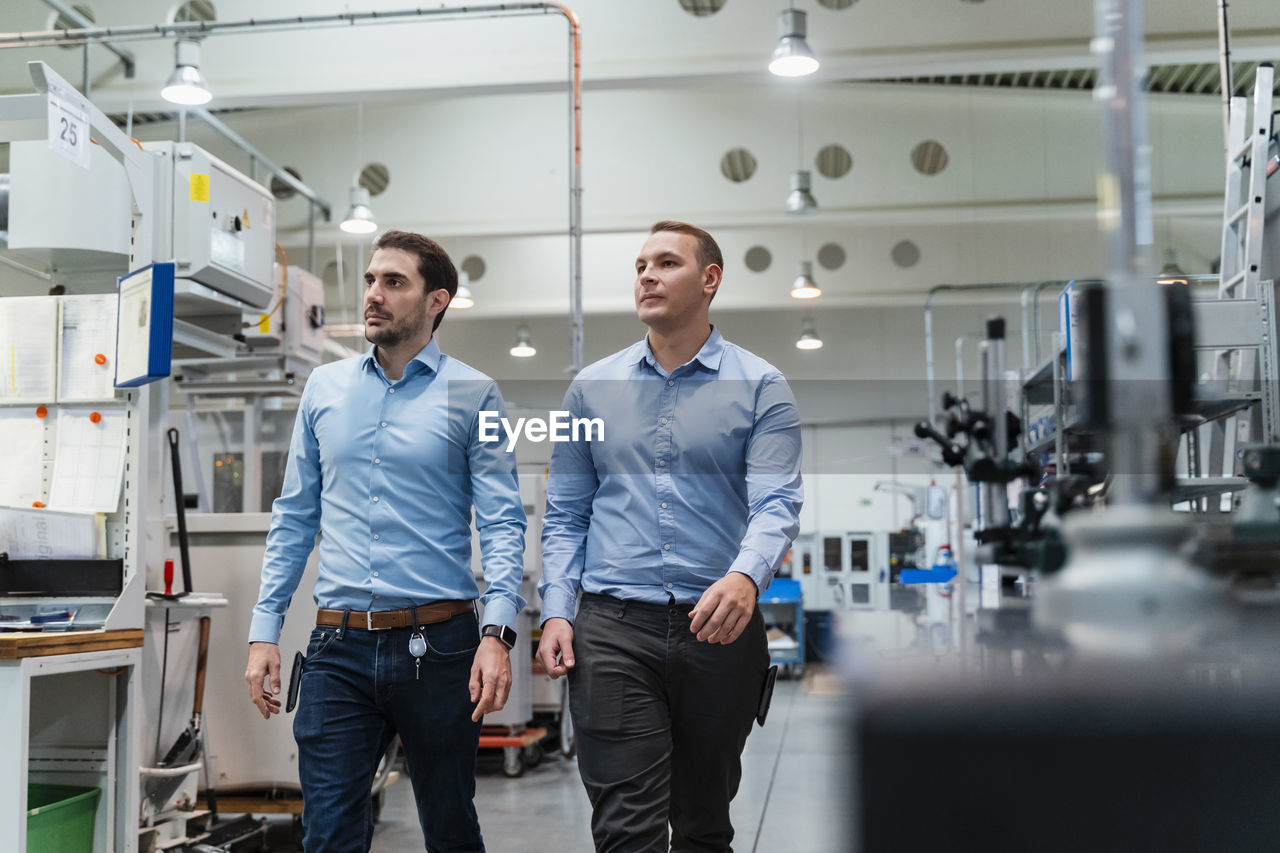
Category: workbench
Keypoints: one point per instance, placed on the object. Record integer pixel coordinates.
(69, 704)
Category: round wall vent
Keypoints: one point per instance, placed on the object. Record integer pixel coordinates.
(834, 161)
(905, 254)
(738, 165)
(831, 256)
(474, 267)
(702, 8)
(375, 178)
(195, 10)
(929, 157)
(280, 189)
(758, 259)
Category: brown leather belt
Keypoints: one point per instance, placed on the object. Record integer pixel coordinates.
(382, 620)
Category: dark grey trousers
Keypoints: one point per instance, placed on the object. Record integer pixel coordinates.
(661, 721)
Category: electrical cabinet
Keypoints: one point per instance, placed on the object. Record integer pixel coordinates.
(223, 224)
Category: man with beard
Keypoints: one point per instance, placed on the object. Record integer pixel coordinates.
(386, 463)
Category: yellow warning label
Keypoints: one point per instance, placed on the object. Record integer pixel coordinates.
(199, 187)
(244, 218)
(264, 323)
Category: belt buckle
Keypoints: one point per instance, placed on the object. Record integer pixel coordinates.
(368, 621)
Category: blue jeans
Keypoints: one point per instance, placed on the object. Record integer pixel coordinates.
(357, 693)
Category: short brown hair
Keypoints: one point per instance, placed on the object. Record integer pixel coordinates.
(708, 251)
(434, 264)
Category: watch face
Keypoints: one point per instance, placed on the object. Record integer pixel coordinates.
(504, 634)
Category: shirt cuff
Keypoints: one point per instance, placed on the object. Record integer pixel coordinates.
(558, 604)
(754, 567)
(499, 611)
(265, 628)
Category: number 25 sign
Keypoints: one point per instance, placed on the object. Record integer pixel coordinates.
(69, 124)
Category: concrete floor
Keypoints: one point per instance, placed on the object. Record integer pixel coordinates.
(796, 789)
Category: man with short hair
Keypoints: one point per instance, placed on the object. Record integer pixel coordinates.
(386, 462)
(668, 528)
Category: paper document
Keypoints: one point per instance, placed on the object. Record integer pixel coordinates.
(88, 462)
(134, 349)
(85, 369)
(29, 534)
(22, 473)
(28, 343)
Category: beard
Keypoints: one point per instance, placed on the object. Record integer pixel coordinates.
(399, 330)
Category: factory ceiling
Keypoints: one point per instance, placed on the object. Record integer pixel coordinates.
(948, 141)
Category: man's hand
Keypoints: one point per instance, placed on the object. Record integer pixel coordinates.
(264, 662)
(490, 677)
(723, 611)
(557, 640)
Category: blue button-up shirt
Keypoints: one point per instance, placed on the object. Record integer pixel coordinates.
(697, 475)
(389, 471)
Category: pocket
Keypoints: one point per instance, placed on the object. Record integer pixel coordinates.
(452, 638)
(321, 640)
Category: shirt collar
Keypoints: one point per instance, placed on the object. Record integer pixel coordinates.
(709, 356)
(429, 356)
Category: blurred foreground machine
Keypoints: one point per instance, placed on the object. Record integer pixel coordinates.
(1124, 695)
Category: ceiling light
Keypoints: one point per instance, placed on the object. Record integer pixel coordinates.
(523, 348)
(1171, 273)
(462, 300)
(801, 200)
(808, 336)
(804, 287)
(186, 86)
(792, 57)
(359, 218)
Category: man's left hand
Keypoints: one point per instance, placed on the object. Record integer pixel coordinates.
(724, 610)
(490, 677)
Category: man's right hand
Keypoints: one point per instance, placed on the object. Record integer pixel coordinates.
(264, 662)
(557, 640)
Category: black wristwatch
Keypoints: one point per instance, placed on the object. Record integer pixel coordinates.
(505, 635)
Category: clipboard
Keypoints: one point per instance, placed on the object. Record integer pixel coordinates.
(144, 327)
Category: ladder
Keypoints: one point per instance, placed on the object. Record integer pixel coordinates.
(1243, 218)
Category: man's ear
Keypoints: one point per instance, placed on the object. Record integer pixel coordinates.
(711, 276)
(437, 301)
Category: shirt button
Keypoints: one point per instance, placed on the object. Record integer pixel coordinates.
(376, 536)
(670, 382)
(391, 390)
(377, 461)
(375, 498)
(666, 547)
(671, 586)
(664, 504)
(662, 420)
(377, 596)
(662, 463)
(383, 424)
(375, 574)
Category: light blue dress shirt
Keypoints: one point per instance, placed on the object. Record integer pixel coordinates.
(697, 475)
(390, 471)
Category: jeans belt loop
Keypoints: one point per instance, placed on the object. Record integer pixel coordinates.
(342, 629)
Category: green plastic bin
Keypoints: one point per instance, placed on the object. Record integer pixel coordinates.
(60, 818)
